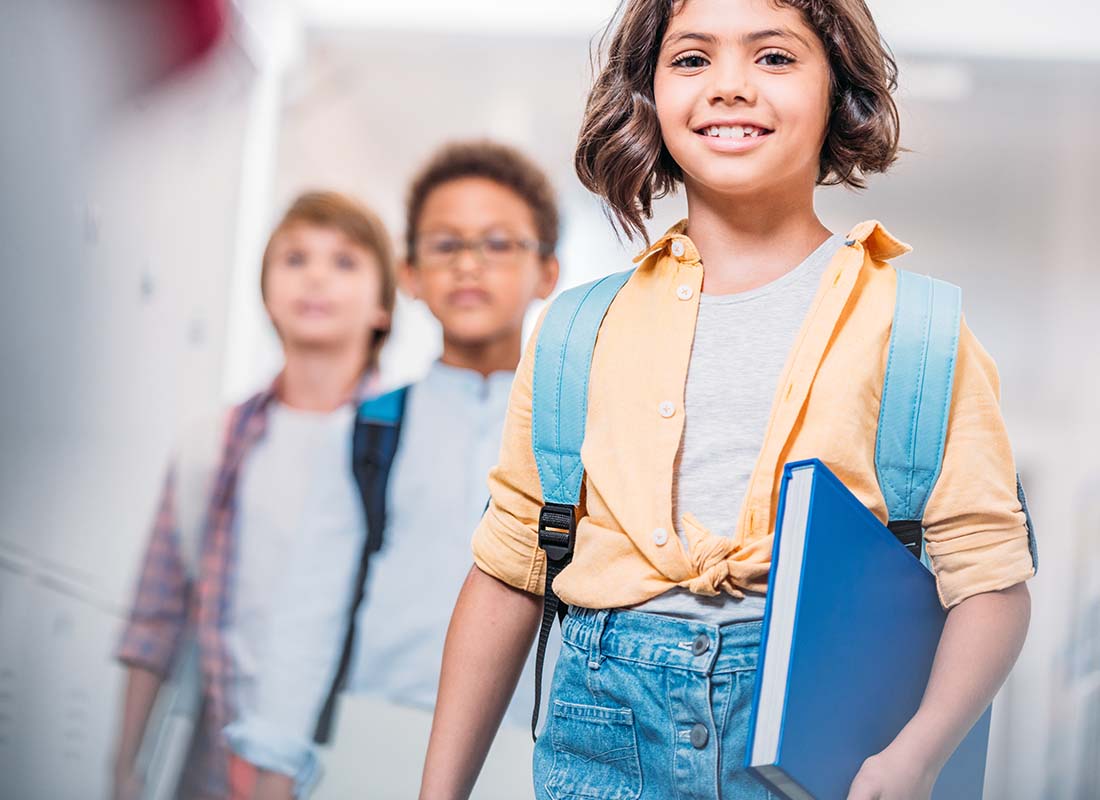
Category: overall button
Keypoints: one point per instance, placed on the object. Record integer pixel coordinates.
(701, 644)
(666, 409)
(684, 292)
(677, 248)
(660, 536)
(699, 736)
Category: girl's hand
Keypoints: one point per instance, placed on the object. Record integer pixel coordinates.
(893, 775)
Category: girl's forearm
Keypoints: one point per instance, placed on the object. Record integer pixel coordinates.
(487, 644)
(981, 640)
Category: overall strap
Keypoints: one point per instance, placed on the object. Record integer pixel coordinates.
(559, 406)
(374, 445)
(916, 399)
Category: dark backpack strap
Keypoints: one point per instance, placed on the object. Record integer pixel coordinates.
(559, 407)
(376, 437)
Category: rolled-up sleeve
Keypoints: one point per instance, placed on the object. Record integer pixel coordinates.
(977, 531)
(267, 745)
(159, 613)
(505, 542)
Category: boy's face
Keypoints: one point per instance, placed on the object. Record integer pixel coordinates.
(478, 294)
(742, 89)
(322, 289)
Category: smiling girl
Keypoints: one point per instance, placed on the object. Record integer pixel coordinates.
(749, 336)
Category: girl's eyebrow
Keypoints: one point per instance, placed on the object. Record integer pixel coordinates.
(745, 38)
(706, 38)
(770, 33)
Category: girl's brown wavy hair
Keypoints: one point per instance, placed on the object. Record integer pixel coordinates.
(622, 158)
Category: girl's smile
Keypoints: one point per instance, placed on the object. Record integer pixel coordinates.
(733, 135)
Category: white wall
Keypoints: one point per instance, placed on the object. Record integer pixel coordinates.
(114, 333)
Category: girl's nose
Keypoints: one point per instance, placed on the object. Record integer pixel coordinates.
(731, 83)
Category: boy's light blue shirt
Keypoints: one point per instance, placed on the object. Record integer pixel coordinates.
(450, 438)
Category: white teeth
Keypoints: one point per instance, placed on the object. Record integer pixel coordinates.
(732, 131)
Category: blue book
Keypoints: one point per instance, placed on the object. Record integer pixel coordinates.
(850, 633)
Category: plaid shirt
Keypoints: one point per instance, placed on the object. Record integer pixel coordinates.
(169, 600)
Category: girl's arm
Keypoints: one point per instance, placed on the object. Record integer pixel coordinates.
(981, 640)
(487, 644)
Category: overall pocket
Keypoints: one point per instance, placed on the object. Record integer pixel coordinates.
(595, 753)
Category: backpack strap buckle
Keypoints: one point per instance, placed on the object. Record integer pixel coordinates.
(558, 531)
(910, 532)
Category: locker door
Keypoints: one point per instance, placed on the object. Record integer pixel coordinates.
(75, 693)
(15, 636)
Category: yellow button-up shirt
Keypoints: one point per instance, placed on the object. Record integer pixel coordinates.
(826, 406)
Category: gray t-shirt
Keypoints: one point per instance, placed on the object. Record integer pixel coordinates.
(741, 344)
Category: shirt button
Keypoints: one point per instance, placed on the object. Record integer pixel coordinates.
(699, 735)
(660, 536)
(701, 644)
(677, 248)
(666, 409)
(684, 292)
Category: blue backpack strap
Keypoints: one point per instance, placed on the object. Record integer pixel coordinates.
(377, 431)
(386, 409)
(559, 407)
(374, 445)
(916, 399)
(559, 402)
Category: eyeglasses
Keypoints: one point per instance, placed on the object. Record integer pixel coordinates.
(443, 251)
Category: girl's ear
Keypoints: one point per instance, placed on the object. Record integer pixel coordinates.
(408, 279)
(549, 270)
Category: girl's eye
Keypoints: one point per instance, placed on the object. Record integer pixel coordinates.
(295, 258)
(345, 262)
(775, 59)
(690, 61)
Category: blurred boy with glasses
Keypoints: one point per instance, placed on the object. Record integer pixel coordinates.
(482, 228)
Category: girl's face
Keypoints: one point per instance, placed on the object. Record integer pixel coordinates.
(742, 95)
(322, 289)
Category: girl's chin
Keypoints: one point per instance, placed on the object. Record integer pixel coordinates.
(730, 183)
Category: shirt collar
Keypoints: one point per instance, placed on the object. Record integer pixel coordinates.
(468, 382)
(677, 233)
(872, 235)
